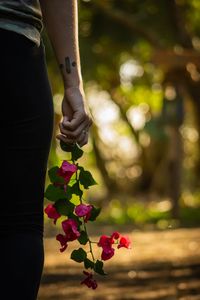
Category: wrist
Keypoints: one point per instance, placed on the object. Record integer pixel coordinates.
(76, 86)
(74, 79)
(73, 82)
(75, 94)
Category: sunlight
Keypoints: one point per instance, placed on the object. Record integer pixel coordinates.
(133, 172)
(192, 69)
(129, 70)
(108, 135)
(196, 43)
(170, 92)
(127, 148)
(103, 108)
(136, 117)
(189, 133)
(57, 99)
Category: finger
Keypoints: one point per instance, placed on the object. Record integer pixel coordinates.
(78, 118)
(83, 139)
(73, 134)
(65, 139)
(83, 142)
(72, 125)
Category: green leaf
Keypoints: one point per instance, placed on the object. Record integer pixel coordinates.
(69, 192)
(98, 267)
(66, 147)
(76, 189)
(79, 255)
(88, 264)
(94, 213)
(64, 207)
(54, 177)
(83, 239)
(77, 152)
(53, 193)
(86, 179)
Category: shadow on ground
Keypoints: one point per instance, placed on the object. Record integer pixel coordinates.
(162, 265)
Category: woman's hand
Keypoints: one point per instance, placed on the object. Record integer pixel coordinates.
(76, 121)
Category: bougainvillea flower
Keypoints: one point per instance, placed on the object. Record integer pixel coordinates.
(89, 281)
(63, 241)
(67, 170)
(51, 212)
(83, 210)
(115, 236)
(106, 243)
(124, 242)
(105, 255)
(70, 227)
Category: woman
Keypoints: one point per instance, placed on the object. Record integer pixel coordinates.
(26, 124)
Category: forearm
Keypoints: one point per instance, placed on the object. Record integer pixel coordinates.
(61, 21)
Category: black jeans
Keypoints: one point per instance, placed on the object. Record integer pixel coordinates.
(26, 126)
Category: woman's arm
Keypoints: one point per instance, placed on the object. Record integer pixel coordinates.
(61, 21)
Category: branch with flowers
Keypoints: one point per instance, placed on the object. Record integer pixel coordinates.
(71, 179)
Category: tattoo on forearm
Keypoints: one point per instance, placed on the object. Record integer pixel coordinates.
(68, 65)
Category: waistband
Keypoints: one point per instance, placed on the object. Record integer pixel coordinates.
(12, 41)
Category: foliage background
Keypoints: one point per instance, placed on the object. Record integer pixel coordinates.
(140, 62)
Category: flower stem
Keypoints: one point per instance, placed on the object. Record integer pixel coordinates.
(84, 225)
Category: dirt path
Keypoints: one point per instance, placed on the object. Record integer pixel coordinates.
(162, 265)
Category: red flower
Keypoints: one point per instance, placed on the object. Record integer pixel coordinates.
(106, 243)
(83, 210)
(115, 236)
(89, 281)
(107, 254)
(63, 241)
(71, 233)
(124, 242)
(52, 213)
(67, 170)
(70, 227)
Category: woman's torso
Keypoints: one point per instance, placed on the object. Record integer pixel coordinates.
(23, 17)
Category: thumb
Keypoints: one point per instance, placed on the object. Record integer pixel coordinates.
(66, 120)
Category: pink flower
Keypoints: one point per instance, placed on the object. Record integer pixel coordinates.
(83, 210)
(89, 281)
(107, 254)
(52, 213)
(115, 236)
(106, 243)
(63, 241)
(70, 227)
(67, 170)
(124, 242)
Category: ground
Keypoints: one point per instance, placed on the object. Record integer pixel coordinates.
(162, 265)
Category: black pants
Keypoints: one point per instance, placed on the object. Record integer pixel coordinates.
(26, 125)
